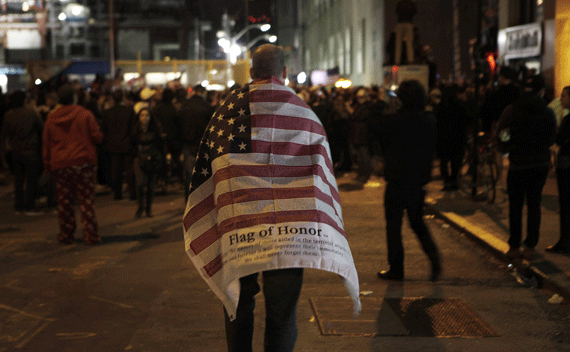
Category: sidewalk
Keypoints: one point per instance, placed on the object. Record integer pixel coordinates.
(488, 224)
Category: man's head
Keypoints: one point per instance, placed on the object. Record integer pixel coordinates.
(506, 75)
(412, 95)
(268, 60)
(535, 84)
(199, 90)
(66, 94)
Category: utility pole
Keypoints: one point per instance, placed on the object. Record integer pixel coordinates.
(246, 19)
(475, 151)
(111, 39)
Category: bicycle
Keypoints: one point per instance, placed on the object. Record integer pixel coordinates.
(487, 168)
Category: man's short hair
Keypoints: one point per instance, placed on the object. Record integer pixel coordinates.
(66, 94)
(508, 73)
(535, 83)
(167, 95)
(118, 96)
(199, 89)
(18, 98)
(267, 60)
(412, 95)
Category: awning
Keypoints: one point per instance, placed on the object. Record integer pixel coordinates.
(87, 67)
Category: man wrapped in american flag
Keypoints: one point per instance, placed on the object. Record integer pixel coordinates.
(263, 198)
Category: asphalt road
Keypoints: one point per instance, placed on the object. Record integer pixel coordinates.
(138, 291)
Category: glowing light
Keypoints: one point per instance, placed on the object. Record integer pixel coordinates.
(62, 17)
(265, 27)
(286, 81)
(302, 78)
(205, 83)
(273, 39)
(130, 75)
(343, 83)
(76, 10)
(38, 82)
(492, 63)
(231, 82)
(25, 6)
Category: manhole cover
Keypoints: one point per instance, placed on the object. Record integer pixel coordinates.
(426, 317)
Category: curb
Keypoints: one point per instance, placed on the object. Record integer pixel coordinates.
(498, 248)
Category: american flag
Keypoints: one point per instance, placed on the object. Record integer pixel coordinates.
(263, 194)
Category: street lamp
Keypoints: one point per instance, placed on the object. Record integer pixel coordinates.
(269, 38)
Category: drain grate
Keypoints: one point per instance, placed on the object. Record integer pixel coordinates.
(426, 317)
(441, 317)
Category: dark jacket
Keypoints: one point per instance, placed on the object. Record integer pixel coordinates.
(563, 136)
(22, 128)
(532, 127)
(194, 118)
(359, 124)
(408, 144)
(406, 9)
(117, 125)
(496, 102)
(167, 116)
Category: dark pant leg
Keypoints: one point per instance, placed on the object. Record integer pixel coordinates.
(150, 185)
(415, 207)
(65, 190)
(117, 169)
(281, 289)
(394, 210)
(516, 185)
(536, 180)
(563, 180)
(19, 172)
(130, 175)
(444, 168)
(456, 161)
(86, 194)
(32, 175)
(239, 332)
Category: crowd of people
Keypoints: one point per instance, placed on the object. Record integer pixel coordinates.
(151, 135)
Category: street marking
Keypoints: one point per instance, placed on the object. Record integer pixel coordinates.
(15, 320)
(111, 302)
(74, 335)
(11, 283)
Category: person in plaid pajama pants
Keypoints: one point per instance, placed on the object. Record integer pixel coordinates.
(69, 153)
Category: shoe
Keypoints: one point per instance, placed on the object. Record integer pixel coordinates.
(92, 242)
(139, 212)
(64, 240)
(149, 214)
(391, 275)
(513, 253)
(528, 254)
(33, 213)
(556, 248)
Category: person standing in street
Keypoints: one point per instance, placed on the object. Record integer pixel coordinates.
(22, 129)
(149, 159)
(194, 117)
(117, 124)
(360, 118)
(70, 136)
(563, 177)
(408, 142)
(167, 116)
(406, 10)
(526, 130)
(264, 183)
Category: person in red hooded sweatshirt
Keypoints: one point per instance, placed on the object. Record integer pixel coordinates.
(69, 152)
